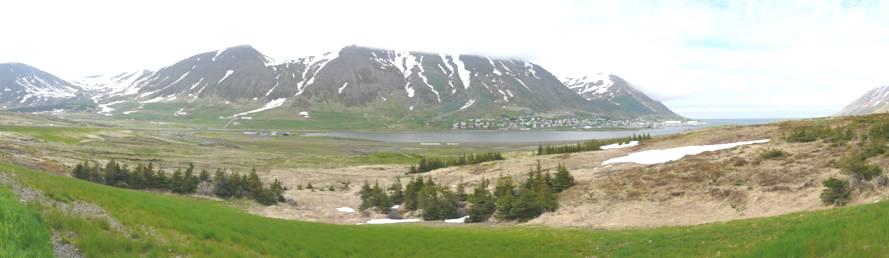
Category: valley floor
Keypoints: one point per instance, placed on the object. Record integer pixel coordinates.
(734, 202)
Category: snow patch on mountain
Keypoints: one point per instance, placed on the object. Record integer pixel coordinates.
(105, 109)
(590, 86)
(314, 64)
(345, 84)
(272, 104)
(468, 104)
(227, 73)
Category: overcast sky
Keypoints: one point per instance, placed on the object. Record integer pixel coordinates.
(704, 59)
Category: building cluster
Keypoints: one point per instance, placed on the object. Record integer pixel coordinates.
(536, 122)
(267, 133)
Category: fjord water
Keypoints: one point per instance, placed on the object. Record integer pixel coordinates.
(534, 136)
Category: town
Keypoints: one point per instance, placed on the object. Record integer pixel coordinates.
(536, 122)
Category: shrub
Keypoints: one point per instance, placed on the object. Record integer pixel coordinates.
(856, 165)
(836, 193)
(772, 153)
(427, 164)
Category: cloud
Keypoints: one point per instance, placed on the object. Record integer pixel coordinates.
(692, 54)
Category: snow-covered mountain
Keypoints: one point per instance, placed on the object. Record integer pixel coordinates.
(615, 91)
(106, 86)
(874, 101)
(24, 86)
(358, 79)
(361, 77)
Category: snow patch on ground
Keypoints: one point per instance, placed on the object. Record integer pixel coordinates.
(106, 109)
(650, 157)
(620, 145)
(272, 104)
(457, 220)
(391, 221)
(345, 209)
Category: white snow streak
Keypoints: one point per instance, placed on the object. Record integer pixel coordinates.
(620, 145)
(468, 104)
(227, 73)
(457, 220)
(346, 84)
(465, 75)
(666, 155)
(272, 104)
(391, 221)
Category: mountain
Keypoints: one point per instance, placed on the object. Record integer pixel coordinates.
(874, 101)
(370, 80)
(611, 90)
(111, 85)
(24, 86)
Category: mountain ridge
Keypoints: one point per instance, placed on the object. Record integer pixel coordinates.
(875, 100)
(364, 79)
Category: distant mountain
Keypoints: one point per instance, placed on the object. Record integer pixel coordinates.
(111, 85)
(368, 79)
(874, 101)
(24, 86)
(613, 91)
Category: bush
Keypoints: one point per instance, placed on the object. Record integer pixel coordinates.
(814, 133)
(856, 165)
(429, 164)
(772, 153)
(836, 193)
(590, 145)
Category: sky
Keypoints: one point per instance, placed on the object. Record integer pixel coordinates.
(703, 59)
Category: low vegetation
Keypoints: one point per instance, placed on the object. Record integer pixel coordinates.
(223, 185)
(591, 145)
(21, 232)
(773, 153)
(837, 134)
(520, 201)
(171, 225)
(857, 167)
(429, 164)
(869, 136)
(836, 193)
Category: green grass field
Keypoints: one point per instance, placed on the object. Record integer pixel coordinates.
(167, 225)
(21, 232)
(64, 135)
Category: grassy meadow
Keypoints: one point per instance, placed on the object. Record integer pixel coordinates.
(166, 225)
(22, 233)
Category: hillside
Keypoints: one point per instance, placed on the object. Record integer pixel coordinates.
(24, 86)
(614, 92)
(740, 189)
(873, 101)
(160, 225)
